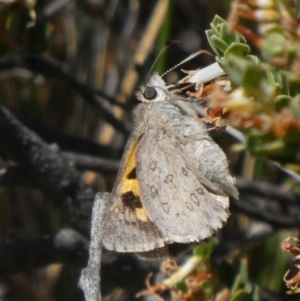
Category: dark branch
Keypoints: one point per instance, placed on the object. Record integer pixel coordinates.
(98, 164)
(266, 190)
(51, 68)
(262, 209)
(71, 143)
(268, 203)
(51, 8)
(12, 175)
(55, 175)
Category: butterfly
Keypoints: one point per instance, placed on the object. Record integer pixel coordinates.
(173, 186)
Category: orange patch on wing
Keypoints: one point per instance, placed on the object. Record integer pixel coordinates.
(129, 181)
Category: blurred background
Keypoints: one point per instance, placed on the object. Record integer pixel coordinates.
(68, 75)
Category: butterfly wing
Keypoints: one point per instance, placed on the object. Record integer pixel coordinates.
(126, 226)
(181, 207)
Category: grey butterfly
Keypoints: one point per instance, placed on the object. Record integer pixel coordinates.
(173, 185)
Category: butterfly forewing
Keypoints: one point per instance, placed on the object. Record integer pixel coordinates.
(179, 205)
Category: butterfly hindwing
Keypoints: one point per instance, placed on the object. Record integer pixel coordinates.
(126, 226)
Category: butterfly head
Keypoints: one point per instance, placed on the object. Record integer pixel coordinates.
(154, 90)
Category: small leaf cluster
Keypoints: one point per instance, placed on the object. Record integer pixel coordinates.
(208, 280)
(264, 97)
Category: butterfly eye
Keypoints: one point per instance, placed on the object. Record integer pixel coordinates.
(150, 93)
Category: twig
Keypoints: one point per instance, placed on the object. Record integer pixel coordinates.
(89, 280)
(267, 190)
(263, 210)
(12, 175)
(98, 164)
(51, 8)
(51, 68)
(71, 143)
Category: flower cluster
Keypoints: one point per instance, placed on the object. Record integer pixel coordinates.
(293, 283)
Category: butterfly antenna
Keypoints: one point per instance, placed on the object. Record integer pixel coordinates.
(165, 47)
(190, 57)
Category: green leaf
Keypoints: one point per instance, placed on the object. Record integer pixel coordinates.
(237, 284)
(293, 84)
(270, 77)
(241, 295)
(244, 271)
(218, 21)
(220, 37)
(295, 106)
(257, 139)
(254, 59)
(238, 49)
(274, 45)
(255, 294)
(181, 285)
(206, 249)
(282, 101)
(219, 45)
(212, 39)
(234, 66)
(251, 77)
(231, 36)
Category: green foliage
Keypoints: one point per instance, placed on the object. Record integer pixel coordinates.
(220, 37)
(211, 278)
(205, 250)
(241, 289)
(21, 28)
(262, 92)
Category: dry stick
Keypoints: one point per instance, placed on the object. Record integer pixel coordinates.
(50, 68)
(89, 280)
(51, 8)
(94, 163)
(144, 48)
(253, 207)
